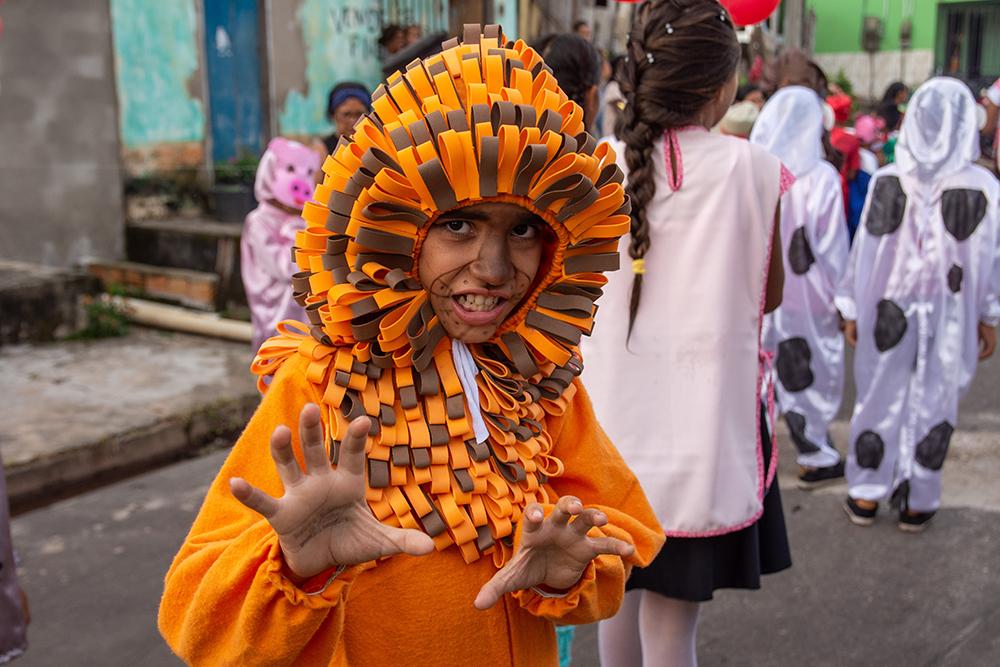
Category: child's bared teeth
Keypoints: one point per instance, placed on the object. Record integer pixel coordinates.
(477, 301)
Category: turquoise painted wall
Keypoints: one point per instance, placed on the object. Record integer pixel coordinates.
(341, 38)
(156, 54)
(838, 22)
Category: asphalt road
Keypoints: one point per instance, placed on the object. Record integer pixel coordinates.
(93, 568)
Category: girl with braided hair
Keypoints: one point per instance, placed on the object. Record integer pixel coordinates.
(682, 344)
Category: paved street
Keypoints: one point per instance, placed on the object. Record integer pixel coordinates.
(93, 566)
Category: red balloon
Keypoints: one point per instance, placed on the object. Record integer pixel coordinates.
(749, 12)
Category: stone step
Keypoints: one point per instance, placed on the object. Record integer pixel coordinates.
(195, 244)
(194, 289)
(40, 303)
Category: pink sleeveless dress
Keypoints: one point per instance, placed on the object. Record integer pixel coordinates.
(681, 400)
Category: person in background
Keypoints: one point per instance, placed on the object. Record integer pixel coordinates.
(890, 109)
(676, 375)
(414, 33)
(739, 120)
(393, 39)
(14, 616)
(868, 130)
(285, 179)
(583, 29)
(854, 180)
(991, 129)
(576, 65)
(750, 92)
(612, 100)
(921, 302)
(348, 101)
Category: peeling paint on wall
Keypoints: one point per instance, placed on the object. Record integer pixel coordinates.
(341, 42)
(156, 56)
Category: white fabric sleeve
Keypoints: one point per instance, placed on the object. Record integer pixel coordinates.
(989, 311)
(830, 238)
(993, 93)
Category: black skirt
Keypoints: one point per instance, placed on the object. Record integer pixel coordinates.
(692, 568)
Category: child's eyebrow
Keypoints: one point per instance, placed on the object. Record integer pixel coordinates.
(466, 214)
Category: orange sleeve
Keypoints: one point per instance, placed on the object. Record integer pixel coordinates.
(225, 600)
(596, 474)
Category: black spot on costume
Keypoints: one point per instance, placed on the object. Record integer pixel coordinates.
(885, 213)
(869, 450)
(934, 447)
(800, 255)
(962, 211)
(890, 325)
(955, 278)
(797, 427)
(793, 360)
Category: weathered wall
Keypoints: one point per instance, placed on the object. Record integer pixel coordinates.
(315, 44)
(157, 48)
(60, 176)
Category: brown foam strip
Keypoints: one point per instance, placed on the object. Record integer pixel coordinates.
(532, 391)
(428, 380)
(380, 211)
(362, 282)
(334, 451)
(625, 208)
(337, 223)
(439, 434)
(413, 64)
(449, 43)
(399, 281)
(502, 113)
(478, 451)
(294, 253)
(433, 524)
(611, 173)
(400, 455)
(608, 261)
(365, 306)
(578, 204)
(300, 281)
(372, 371)
(352, 186)
(320, 336)
(569, 145)
(488, 161)
(568, 187)
(419, 131)
(522, 433)
(550, 390)
(550, 121)
(408, 397)
(491, 31)
(437, 124)
(400, 138)
(578, 306)
(341, 203)
(480, 113)
(340, 274)
(587, 144)
(471, 33)
(388, 261)
(358, 367)
(520, 356)
(511, 64)
(421, 457)
(378, 92)
(375, 159)
(331, 262)
(366, 327)
(484, 538)
(363, 178)
(550, 325)
(563, 376)
(437, 68)
(512, 472)
(464, 480)
(351, 406)
(337, 245)
(312, 312)
(437, 183)
(525, 115)
(378, 474)
(537, 69)
(537, 428)
(457, 120)
(380, 359)
(300, 298)
(383, 241)
(455, 406)
(501, 422)
(342, 378)
(592, 293)
(387, 415)
(532, 161)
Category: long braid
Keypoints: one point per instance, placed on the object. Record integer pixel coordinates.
(680, 54)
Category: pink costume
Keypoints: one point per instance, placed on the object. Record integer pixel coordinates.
(284, 184)
(682, 400)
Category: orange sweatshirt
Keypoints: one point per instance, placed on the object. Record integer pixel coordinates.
(227, 603)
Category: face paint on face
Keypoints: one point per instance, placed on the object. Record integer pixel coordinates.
(478, 263)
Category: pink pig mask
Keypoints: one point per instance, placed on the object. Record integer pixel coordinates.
(286, 174)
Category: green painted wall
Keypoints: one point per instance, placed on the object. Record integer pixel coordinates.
(340, 39)
(156, 55)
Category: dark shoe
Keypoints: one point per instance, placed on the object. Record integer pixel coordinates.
(813, 478)
(858, 515)
(914, 522)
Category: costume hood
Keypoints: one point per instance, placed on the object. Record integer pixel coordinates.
(482, 121)
(940, 132)
(791, 127)
(286, 173)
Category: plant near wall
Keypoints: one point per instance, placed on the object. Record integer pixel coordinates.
(843, 82)
(237, 172)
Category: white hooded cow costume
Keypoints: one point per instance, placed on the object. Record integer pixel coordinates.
(924, 271)
(805, 330)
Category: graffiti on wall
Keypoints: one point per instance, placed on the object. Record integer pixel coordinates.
(156, 55)
(341, 42)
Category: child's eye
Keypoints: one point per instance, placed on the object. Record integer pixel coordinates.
(525, 230)
(291, 169)
(458, 226)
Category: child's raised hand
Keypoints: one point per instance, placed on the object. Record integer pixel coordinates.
(554, 551)
(987, 341)
(323, 521)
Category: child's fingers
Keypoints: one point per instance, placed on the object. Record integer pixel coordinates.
(253, 498)
(588, 519)
(493, 590)
(566, 507)
(611, 546)
(352, 447)
(406, 540)
(534, 517)
(311, 437)
(284, 460)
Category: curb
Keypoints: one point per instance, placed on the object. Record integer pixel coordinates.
(63, 474)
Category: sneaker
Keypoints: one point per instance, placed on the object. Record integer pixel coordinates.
(859, 516)
(914, 522)
(813, 478)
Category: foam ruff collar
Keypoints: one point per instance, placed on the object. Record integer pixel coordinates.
(483, 121)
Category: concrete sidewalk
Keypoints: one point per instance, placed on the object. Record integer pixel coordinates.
(82, 412)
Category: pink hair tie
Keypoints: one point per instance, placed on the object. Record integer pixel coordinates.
(675, 177)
